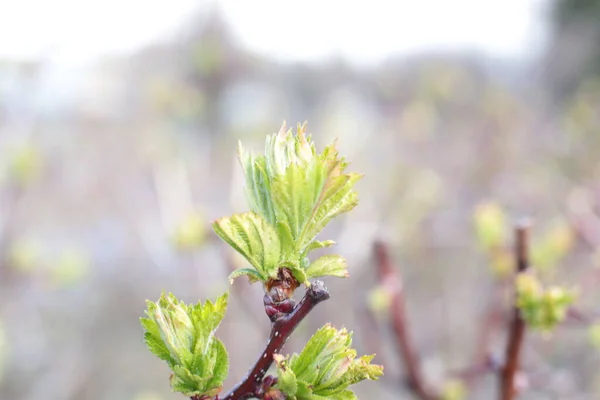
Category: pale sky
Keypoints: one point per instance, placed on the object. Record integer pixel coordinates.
(365, 31)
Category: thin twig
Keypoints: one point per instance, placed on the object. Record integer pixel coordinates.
(391, 281)
(281, 329)
(508, 373)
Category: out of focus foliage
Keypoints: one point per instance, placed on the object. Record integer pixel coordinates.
(542, 308)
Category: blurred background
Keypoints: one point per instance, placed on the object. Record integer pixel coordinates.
(119, 122)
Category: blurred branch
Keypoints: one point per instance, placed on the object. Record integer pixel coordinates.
(391, 281)
(508, 373)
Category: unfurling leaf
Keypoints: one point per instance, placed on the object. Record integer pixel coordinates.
(254, 238)
(325, 368)
(293, 193)
(328, 265)
(183, 336)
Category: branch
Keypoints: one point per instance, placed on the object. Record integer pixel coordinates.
(508, 373)
(392, 282)
(252, 385)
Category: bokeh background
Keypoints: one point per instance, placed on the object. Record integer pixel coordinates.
(118, 127)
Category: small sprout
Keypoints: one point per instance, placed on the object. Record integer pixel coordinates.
(183, 336)
(454, 389)
(293, 193)
(541, 308)
(190, 234)
(490, 225)
(326, 367)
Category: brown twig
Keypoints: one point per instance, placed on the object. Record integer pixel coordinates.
(508, 373)
(254, 382)
(391, 281)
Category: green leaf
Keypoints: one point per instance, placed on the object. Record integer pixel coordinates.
(288, 245)
(258, 185)
(253, 275)
(328, 265)
(254, 238)
(184, 336)
(317, 245)
(221, 365)
(286, 379)
(336, 198)
(327, 366)
(292, 199)
(345, 395)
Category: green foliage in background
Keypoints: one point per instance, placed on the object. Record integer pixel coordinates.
(454, 389)
(293, 193)
(492, 232)
(542, 308)
(184, 337)
(25, 164)
(491, 226)
(325, 368)
(190, 233)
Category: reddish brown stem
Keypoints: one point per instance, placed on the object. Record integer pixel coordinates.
(508, 373)
(391, 281)
(281, 329)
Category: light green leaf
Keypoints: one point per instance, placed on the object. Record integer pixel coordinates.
(291, 196)
(315, 244)
(298, 273)
(328, 265)
(327, 366)
(253, 275)
(345, 395)
(184, 336)
(258, 185)
(336, 198)
(221, 365)
(288, 245)
(254, 238)
(286, 379)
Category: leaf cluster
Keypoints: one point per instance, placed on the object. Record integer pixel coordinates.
(325, 368)
(293, 193)
(183, 336)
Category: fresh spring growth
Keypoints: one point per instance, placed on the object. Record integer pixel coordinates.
(542, 308)
(293, 193)
(183, 336)
(325, 368)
